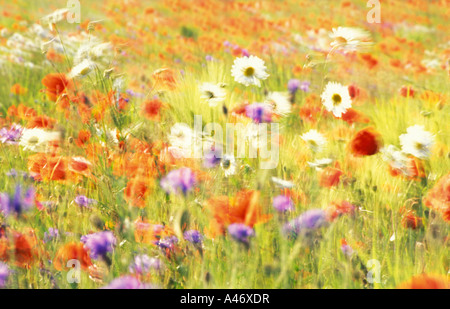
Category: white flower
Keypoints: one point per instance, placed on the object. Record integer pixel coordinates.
(314, 140)
(396, 159)
(319, 164)
(280, 103)
(55, 17)
(281, 183)
(185, 141)
(212, 93)
(249, 70)
(336, 98)
(37, 139)
(351, 39)
(417, 142)
(228, 165)
(82, 69)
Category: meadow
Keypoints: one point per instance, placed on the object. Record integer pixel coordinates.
(100, 186)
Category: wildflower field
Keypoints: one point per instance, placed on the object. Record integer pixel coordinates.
(191, 144)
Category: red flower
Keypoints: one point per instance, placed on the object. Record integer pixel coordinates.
(151, 109)
(407, 91)
(55, 84)
(366, 142)
(72, 251)
(351, 116)
(330, 177)
(426, 281)
(438, 198)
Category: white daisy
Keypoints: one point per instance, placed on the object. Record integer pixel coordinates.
(249, 70)
(280, 103)
(228, 165)
(319, 164)
(417, 142)
(351, 39)
(55, 17)
(336, 98)
(281, 183)
(396, 159)
(212, 93)
(37, 139)
(82, 69)
(315, 141)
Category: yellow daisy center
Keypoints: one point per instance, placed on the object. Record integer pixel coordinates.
(249, 72)
(337, 99)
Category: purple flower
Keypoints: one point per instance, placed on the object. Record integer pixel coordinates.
(50, 235)
(14, 174)
(283, 203)
(241, 232)
(127, 283)
(193, 236)
(142, 264)
(245, 53)
(167, 243)
(83, 201)
(209, 58)
(99, 244)
(212, 158)
(308, 221)
(305, 86)
(12, 135)
(347, 250)
(180, 180)
(258, 112)
(295, 84)
(4, 274)
(18, 203)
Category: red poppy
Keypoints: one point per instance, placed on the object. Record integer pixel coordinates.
(72, 251)
(366, 142)
(330, 177)
(438, 198)
(351, 116)
(243, 208)
(407, 91)
(152, 108)
(426, 281)
(55, 85)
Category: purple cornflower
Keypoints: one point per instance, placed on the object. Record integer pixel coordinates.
(212, 158)
(258, 112)
(283, 203)
(18, 203)
(11, 135)
(209, 58)
(180, 180)
(15, 174)
(294, 85)
(346, 249)
(241, 232)
(167, 243)
(305, 86)
(50, 235)
(193, 236)
(142, 264)
(308, 221)
(245, 52)
(4, 274)
(99, 244)
(127, 283)
(84, 201)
